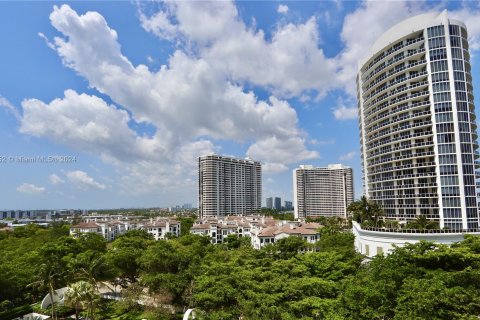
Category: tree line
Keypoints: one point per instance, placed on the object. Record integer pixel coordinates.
(234, 281)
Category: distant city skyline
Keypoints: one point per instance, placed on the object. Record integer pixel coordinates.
(108, 105)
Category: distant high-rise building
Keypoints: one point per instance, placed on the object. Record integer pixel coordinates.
(278, 203)
(270, 203)
(323, 192)
(288, 205)
(228, 185)
(417, 120)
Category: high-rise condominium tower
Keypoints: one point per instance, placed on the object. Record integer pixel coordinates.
(417, 121)
(278, 203)
(323, 192)
(270, 203)
(228, 186)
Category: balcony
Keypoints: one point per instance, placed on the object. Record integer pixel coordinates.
(391, 63)
(395, 101)
(405, 166)
(405, 147)
(397, 110)
(405, 176)
(405, 137)
(390, 51)
(394, 83)
(397, 120)
(405, 186)
(394, 72)
(395, 92)
(406, 196)
(399, 129)
(404, 157)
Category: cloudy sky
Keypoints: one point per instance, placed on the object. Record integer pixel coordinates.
(134, 92)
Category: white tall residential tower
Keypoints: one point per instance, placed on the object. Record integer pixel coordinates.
(417, 122)
(322, 192)
(228, 186)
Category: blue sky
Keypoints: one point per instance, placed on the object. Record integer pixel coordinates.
(136, 91)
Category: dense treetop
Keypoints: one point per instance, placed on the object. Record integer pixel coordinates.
(232, 280)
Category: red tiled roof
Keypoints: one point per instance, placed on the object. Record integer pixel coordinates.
(87, 225)
(155, 224)
(201, 226)
(273, 231)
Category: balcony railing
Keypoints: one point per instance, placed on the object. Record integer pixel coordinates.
(405, 166)
(405, 186)
(407, 156)
(397, 100)
(395, 71)
(397, 120)
(426, 231)
(408, 136)
(395, 92)
(393, 83)
(417, 51)
(392, 50)
(410, 146)
(405, 176)
(399, 129)
(397, 110)
(406, 196)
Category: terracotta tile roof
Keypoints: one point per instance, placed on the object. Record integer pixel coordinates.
(273, 231)
(87, 225)
(155, 224)
(201, 226)
(312, 225)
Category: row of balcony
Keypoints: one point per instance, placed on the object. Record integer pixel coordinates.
(385, 105)
(395, 92)
(404, 147)
(393, 72)
(399, 129)
(405, 166)
(405, 137)
(393, 83)
(407, 156)
(417, 51)
(398, 110)
(404, 176)
(406, 196)
(405, 186)
(381, 125)
(410, 206)
(393, 50)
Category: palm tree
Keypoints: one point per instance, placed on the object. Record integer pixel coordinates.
(365, 210)
(75, 295)
(48, 277)
(92, 268)
(81, 294)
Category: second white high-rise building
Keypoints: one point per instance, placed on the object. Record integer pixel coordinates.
(322, 192)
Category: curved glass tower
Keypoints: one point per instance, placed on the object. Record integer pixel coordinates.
(417, 123)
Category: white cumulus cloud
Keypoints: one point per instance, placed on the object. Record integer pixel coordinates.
(193, 99)
(55, 179)
(282, 8)
(29, 188)
(9, 107)
(345, 113)
(83, 181)
(348, 156)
